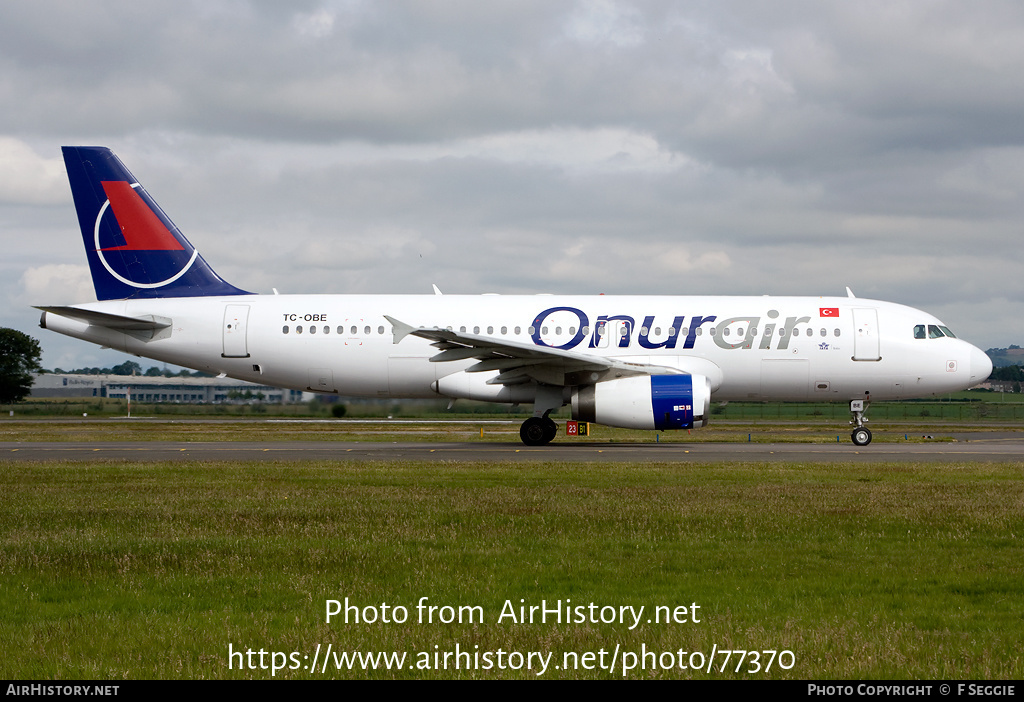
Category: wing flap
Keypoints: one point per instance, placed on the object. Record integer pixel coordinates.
(457, 353)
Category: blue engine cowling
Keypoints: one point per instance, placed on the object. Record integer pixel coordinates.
(645, 402)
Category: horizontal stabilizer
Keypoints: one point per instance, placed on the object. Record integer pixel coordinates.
(146, 327)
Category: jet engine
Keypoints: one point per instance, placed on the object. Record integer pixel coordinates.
(645, 402)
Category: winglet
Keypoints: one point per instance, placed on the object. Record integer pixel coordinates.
(400, 329)
(849, 293)
(437, 290)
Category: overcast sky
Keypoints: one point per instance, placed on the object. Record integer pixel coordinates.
(517, 147)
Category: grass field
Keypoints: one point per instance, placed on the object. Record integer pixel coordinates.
(127, 570)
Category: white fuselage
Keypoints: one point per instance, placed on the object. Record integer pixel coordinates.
(750, 348)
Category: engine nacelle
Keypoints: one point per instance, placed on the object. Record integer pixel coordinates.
(645, 402)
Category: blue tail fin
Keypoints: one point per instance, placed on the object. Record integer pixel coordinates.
(134, 249)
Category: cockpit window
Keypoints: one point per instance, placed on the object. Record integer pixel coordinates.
(933, 331)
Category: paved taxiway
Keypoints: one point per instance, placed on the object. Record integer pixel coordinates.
(990, 446)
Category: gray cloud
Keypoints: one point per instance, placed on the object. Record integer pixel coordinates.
(612, 146)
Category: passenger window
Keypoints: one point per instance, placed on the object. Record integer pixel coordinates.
(327, 329)
(355, 330)
(380, 330)
(837, 332)
(366, 331)
(490, 330)
(284, 330)
(312, 329)
(517, 330)
(823, 332)
(462, 330)
(476, 330)
(504, 331)
(341, 329)
(298, 329)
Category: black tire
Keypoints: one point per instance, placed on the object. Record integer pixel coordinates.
(861, 436)
(536, 432)
(551, 430)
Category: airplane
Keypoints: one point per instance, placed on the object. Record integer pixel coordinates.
(640, 362)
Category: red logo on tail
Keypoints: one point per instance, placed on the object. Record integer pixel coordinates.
(141, 228)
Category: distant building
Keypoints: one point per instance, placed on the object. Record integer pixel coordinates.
(146, 388)
(999, 385)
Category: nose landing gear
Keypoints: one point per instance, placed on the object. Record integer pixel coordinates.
(861, 435)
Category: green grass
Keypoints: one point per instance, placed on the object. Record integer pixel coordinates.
(129, 570)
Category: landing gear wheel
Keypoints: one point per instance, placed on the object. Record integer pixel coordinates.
(861, 436)
(537, 431)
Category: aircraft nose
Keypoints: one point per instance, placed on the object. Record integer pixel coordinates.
(981, 365)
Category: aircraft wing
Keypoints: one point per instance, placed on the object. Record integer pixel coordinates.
(520, 363)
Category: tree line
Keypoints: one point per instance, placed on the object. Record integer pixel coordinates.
(132, 368)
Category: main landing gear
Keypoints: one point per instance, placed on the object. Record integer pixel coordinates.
(861, 435)
(537, 431)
